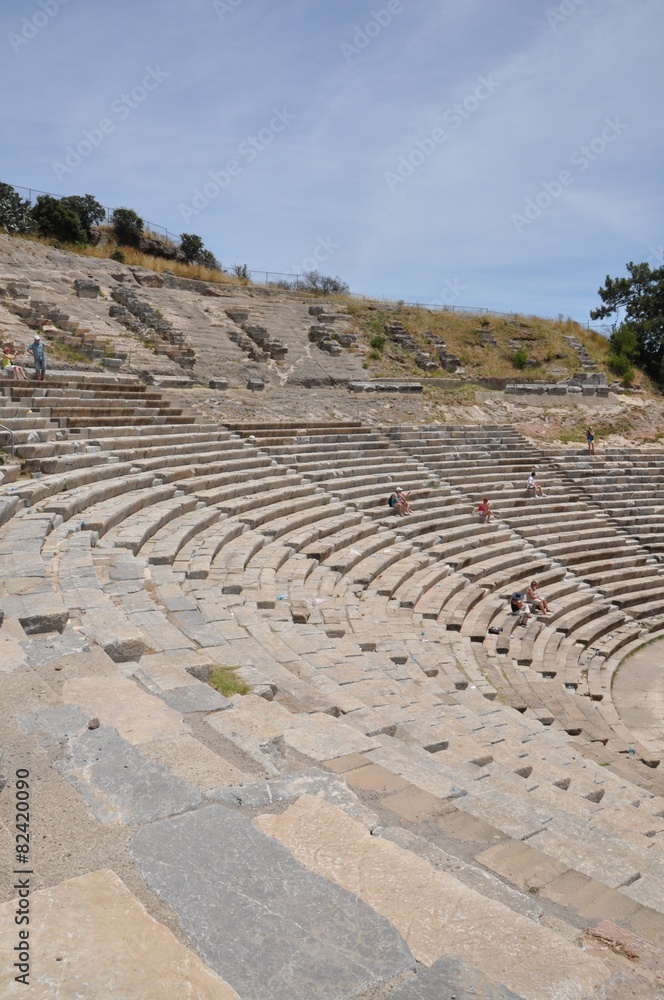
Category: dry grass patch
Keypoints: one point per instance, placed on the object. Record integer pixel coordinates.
(469, 337)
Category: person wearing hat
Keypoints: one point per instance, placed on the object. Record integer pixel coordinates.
(38, 353)
(403, 499)
(9, 366)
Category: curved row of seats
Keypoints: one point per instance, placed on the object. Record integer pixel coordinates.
(272, 549)
(255, 531)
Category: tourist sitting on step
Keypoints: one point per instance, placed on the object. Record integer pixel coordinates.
(519, 607)
(8, 365)
(533, 487)
(536, 600)
(403, 499)
(397, 505)
(484, 510)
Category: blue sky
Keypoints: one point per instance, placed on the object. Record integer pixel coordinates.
(494, 153)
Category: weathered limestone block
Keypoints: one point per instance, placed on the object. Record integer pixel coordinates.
(86, 289)
(97, 940)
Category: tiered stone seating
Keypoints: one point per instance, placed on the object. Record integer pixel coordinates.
(624, 483)
(420, 809)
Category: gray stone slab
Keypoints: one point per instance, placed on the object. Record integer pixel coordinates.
(197, 697)
(599, 854)
(268, 926)
(55, 723)
(450, 978)
(515, 817)
(44, 649)
(313, 781)
(627, 986)
(193, 625)
(121, 785)
(37, 613)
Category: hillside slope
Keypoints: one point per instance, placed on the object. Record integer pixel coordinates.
(208, 328)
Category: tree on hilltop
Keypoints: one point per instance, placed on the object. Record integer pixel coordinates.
(128, 226)
(322, 284)
(88, 209)
(191, 246)
(57, 220)
(639, 298)
(195, 252)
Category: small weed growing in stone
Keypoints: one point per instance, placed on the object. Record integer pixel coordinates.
(226, 682)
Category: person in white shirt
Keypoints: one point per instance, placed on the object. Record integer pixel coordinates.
(533, 486)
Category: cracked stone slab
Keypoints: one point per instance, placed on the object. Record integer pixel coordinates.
(310, 782)
(437, 914)
(96, 940)
(196, 697)
(120, 784)
(270, 927)
(450, 977)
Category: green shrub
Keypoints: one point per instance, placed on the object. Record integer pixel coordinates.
(128, 226)
(621, 365)
(119, 255)
(377, 342)
(520, 358)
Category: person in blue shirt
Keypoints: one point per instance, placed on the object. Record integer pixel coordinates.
(38, 353)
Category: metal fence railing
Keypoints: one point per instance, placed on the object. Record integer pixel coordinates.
(31, 195)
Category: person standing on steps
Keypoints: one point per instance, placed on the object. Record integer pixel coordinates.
(590, 438)
(38, 353)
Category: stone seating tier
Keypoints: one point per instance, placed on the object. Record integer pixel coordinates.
(400, 719)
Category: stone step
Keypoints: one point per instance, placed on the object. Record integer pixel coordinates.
(396, 884)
